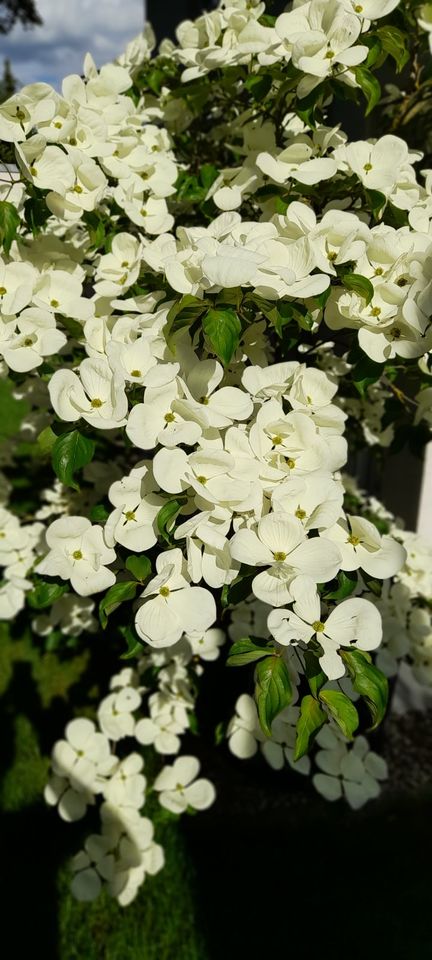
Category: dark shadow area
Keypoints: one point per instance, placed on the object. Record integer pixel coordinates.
(280, 872)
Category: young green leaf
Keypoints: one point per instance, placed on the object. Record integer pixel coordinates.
(45, 594)
(358, 284)
(117, 594)
(9, 223)
(370, 87)
(312, 718)
(316, 677)
(140, 566)
(246, 651)
(272, 690)
(342, 710)
(347, 582)
(70, 453)
(393, 42)
(222, 328)
(366, 372)
(369, 682)
(166, 516)
(134, 646)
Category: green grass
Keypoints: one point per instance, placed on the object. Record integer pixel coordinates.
(37, 908)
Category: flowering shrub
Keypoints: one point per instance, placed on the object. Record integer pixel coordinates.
(208, 297)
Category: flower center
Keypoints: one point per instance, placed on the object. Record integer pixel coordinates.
(375, 312)
(318, 626)
(164, 591)
(202, 479)
(77, 188)
(379, 272)
(2, 291)
(169, 417)
(96, 402)
(77, 555)
(58, 125)
(367, 167)
(329, 55)
(33, 171)
(300, 514)
(130, 515)
(277, 439)
(136, 373)
(54, 303)
(353, 540)
(358, 8)
(395, 333)
(28, 342)
(280, 556)
(291, 463)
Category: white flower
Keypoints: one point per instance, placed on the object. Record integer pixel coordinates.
(126, 786)
(80, 764)
(354, 773)
(178, 788)
(171, 606)
(133, 521)
(36, 337)
(354, 621)
(280, 543)
(207, 645)
(244, 730)
(115, 713)
(97, 395)
(362, 546)
(78, 553)
(165, 417)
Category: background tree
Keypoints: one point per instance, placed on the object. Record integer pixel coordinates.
(18, 11)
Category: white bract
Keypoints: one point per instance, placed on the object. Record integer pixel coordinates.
(354, 621)
(78, 552)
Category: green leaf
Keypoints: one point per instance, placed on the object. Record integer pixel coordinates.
(316, 677)
(45, 594)
(140, 566)
(208, 174)
(99, 513)
(369, 682)
(258, 84)
(166, 516)
(370, 87)
(366, 372)
(13, 411)
(375, 586)
(246, 651)
(312, 718)
(342, 710)
(347, 581)
(45, 442)
(70, 453)
(376, 201)
(233, 593)
(117, 594)
(272, 690)
(134, 646)
(393, 41)
(9, 223)
(222, 328)
(358, 284)
(182, 314)
(36, 213)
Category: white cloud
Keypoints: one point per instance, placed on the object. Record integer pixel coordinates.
(70, 29)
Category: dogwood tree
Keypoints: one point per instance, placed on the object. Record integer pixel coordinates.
(209, 298)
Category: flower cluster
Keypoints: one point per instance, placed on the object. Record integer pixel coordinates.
(209, 298)
(87, 766)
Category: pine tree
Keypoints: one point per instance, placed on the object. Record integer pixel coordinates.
(8, 82)
(18, 11)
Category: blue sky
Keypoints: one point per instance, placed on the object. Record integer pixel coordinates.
(70, 29)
